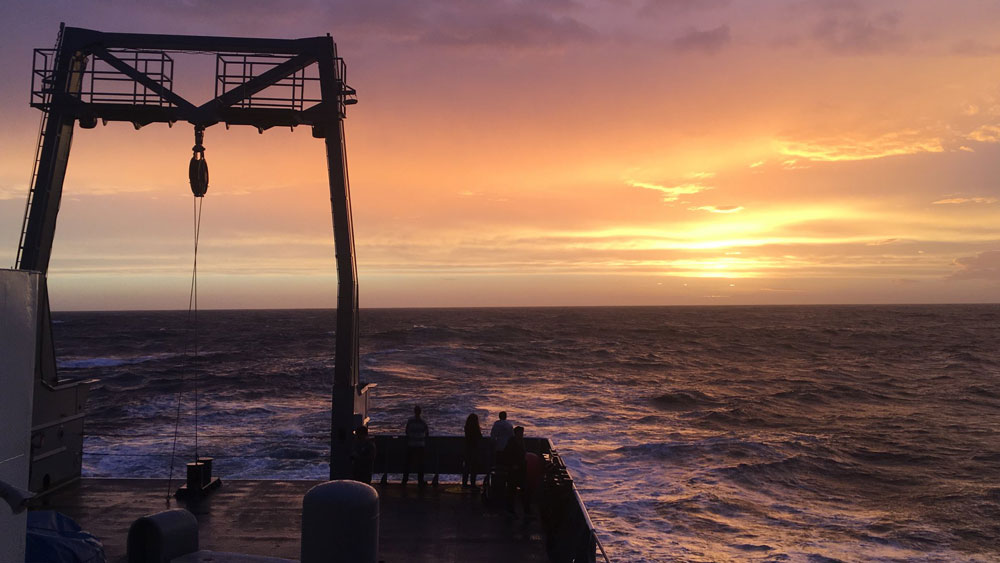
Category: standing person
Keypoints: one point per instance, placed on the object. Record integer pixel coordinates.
(362, 456)
(517, 470)
(416, 442)
(473, 435)
(500, 434)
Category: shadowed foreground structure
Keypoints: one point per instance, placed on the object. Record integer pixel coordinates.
(445, 523)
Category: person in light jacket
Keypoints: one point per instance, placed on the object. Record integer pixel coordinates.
(500, 433)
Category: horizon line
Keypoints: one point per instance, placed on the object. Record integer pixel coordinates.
(453, 307)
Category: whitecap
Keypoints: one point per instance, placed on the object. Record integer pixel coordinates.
(108, 362)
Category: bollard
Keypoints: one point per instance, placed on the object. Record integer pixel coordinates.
(340, 523)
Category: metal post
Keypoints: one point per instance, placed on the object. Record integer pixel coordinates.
(57, 419)
(345, 375)
(58, 136)
(41, 225)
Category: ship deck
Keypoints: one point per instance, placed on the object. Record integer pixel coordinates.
(446, 523)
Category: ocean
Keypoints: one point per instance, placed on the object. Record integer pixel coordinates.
(797, 433)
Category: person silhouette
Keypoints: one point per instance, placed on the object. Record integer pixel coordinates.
(500, 433)
(417, 432)
(362, 456)
(473, 435)
(515, 457)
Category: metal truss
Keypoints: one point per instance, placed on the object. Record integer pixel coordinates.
(129, 77)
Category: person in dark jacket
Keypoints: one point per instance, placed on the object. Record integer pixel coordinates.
(417, 432)
(517, 469)
(473, 435)
(362, 456)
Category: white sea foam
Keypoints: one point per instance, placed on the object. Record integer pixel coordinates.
(108, 362)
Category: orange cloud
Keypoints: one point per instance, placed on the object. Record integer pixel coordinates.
(671, 193)
(714, 209)
(961, 200)
(985, 134)
(856, 148)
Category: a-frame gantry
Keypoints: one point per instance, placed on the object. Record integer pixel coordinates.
(263, 83)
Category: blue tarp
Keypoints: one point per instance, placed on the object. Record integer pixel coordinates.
(56, 538)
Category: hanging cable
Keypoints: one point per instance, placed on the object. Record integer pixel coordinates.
(193, 311)
(193, 323)
(173, 450)
(198, 175)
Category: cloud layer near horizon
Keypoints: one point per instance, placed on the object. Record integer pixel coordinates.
(780, 152)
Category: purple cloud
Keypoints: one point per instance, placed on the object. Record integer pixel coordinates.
(853, 32)
(675, 7)
(465, 24)
(518, 29)
(975, 48)
(708, 41)
(983, 266)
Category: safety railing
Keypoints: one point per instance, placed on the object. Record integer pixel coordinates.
(571, 534)
(101, 83)
(292, 92)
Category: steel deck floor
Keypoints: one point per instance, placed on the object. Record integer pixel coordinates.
(445, 523)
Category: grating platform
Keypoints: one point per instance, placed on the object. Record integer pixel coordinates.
(446, 523)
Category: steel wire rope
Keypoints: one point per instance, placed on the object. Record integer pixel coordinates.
(193, 310)
(193, 321)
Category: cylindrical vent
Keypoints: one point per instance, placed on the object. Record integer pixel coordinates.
(162, 537)
(195, 476)
(206, 472)
(340, 523)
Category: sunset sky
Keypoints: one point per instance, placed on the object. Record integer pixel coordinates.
(616, 152)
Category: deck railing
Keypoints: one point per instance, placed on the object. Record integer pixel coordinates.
(570, 534)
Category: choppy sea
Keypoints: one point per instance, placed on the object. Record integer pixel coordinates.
(826, 433)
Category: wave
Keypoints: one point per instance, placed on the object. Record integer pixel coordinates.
(744, 416)
(983, 391)
(683, 400)
(109, 362)
(822, 477)
(907, 459)
(720, 449)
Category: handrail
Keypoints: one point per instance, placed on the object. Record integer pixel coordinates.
(214, 455)
(590, 525)
(600, 546)
(206, 435)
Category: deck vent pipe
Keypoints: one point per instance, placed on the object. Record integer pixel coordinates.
(340, 523)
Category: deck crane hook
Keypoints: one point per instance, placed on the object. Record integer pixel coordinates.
(198, 169)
